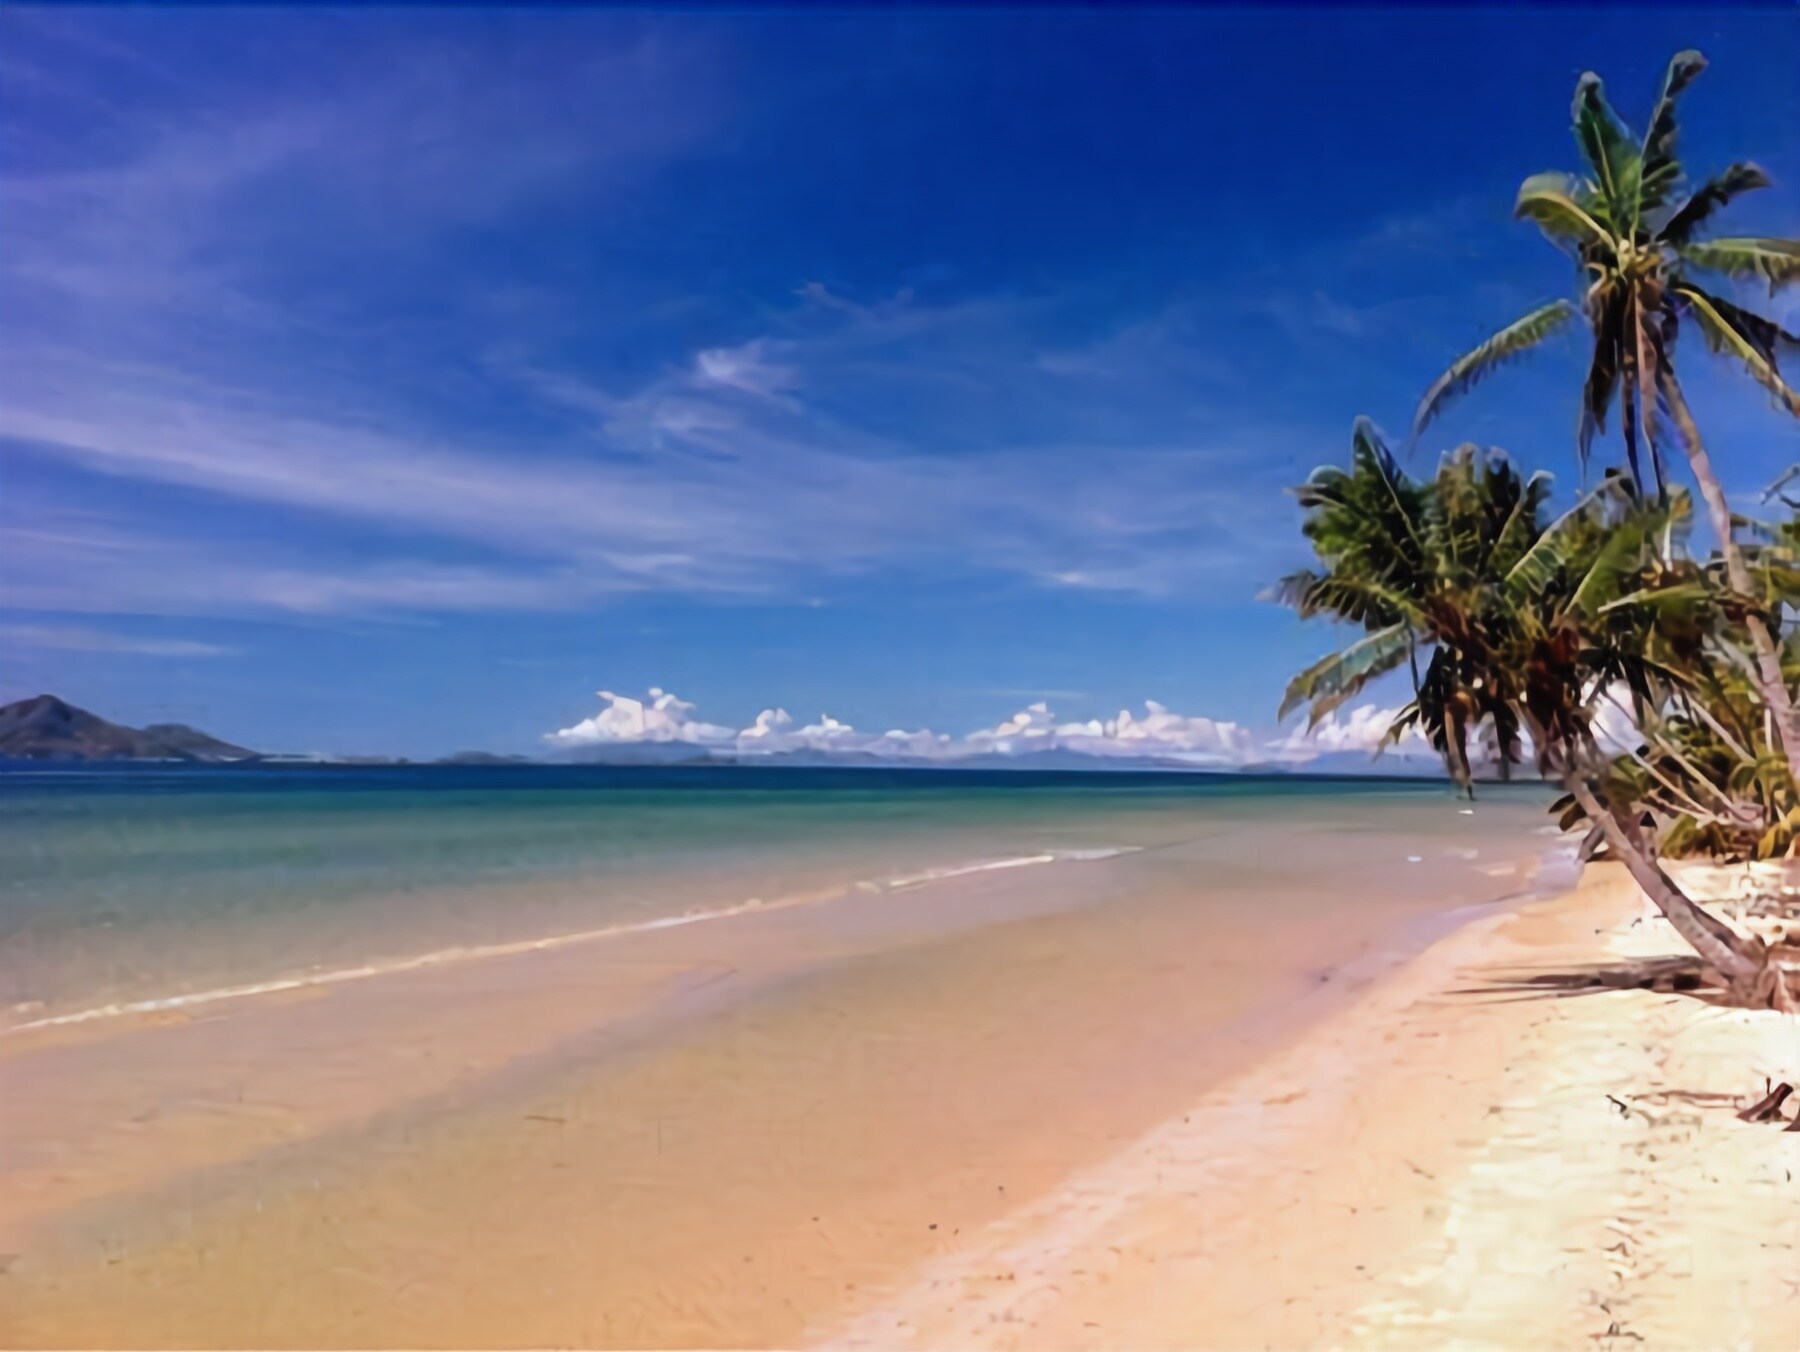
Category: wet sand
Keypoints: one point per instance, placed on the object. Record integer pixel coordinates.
(745, 1132)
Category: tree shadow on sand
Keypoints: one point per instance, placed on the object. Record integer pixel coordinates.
(1677, 974)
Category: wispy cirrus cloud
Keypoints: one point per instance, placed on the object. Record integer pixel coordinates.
(72, 639)
(227, 299)
(738, 471)
(187, 205)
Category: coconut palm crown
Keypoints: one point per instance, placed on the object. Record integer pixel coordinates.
(1636, 230)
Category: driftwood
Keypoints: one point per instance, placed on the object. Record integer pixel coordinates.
(1768, 1108)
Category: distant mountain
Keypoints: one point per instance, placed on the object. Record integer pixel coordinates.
(180, 738)
(46, 728)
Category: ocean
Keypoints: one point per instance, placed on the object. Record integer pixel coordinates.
(139, 884)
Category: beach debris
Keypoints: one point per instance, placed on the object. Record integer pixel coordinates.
(1768, 1108)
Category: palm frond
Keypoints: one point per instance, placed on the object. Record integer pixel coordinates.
(1327, 683)
(1618, 558)
(1661, 169)
(1776, 491)
(1606, 314)
(1679, 596)
(1616, 161)
(1750, 338)
(1775, 261)
(1343, 595)
(1466, 371)
(1713, 196)
(1517, 532)
(1555, 202)
(1554, 549)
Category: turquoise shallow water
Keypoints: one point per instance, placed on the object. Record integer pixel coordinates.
(144, 882)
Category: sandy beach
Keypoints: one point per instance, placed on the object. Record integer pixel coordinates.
(980, 1121)
(1435, 1168)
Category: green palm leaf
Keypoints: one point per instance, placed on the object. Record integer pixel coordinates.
(1681, 596)
(1662, 171)
(1555, 202)
(1617, 163)
(1343, 595)
(1776, 261)
(1714, 195)
(1556, 548)
(1466, 371)
(1521, 525)
(1748, 337)
(1327, 683)
(1619, 560)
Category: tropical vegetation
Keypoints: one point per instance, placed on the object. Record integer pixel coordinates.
(1638, 232)
(1655, 685)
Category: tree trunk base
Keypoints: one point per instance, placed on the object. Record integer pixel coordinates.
(1774, 985)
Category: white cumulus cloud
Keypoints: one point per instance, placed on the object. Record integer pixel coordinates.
(1155, 733)
(1361, 729)
(661, 718)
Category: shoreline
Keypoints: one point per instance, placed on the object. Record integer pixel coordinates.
(1436, 1166)
(1391, 1150)
(854, 1087)
(444, 957)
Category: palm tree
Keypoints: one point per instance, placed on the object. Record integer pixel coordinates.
(1526, 627)
(1412, 564)
(1637, 236)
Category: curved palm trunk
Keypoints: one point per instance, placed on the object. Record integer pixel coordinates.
(1776, 696)
(1721, 947)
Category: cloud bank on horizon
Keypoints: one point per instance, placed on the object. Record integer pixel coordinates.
(1157, 733)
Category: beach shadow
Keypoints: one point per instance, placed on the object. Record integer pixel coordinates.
(1677, 974)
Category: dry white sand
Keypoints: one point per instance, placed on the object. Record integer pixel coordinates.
(1430, 1170)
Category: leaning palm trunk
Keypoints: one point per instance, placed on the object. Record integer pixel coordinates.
(1737, 958)
(1769, 680)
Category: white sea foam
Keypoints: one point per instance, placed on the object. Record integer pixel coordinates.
(448, 956)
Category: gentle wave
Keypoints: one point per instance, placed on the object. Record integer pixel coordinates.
(938, 875)
(448, 956)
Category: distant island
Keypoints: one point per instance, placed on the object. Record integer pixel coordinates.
(46, 728)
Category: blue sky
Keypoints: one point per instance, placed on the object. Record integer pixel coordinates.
(389, 381)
